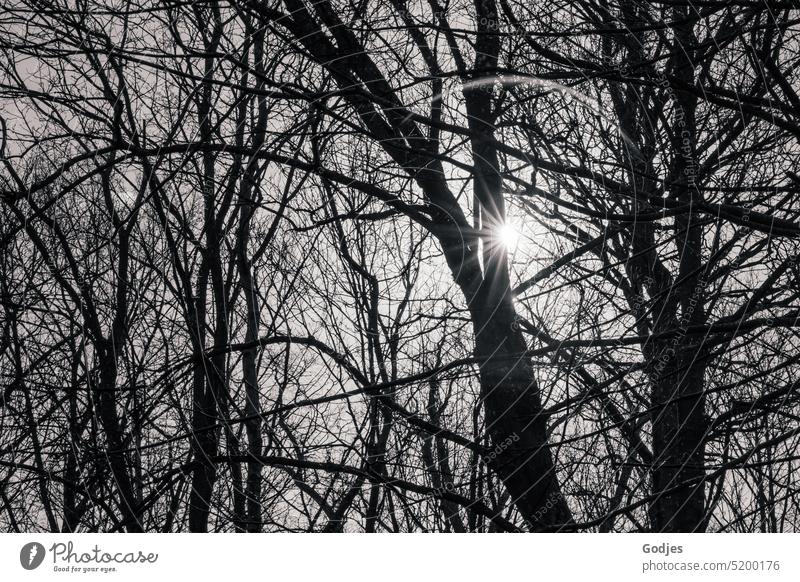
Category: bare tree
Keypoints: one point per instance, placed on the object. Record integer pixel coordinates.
(435, 266)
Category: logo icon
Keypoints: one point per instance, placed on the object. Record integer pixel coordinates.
(31, 555)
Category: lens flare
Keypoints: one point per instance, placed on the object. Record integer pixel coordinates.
(508, 236)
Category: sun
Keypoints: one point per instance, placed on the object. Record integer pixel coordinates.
(507, 235)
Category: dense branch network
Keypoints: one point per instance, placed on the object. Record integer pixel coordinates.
(460, 265)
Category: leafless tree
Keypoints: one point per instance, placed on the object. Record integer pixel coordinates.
(328, 265)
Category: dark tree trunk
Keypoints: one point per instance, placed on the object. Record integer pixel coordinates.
(515, 421)
(106, 406)
(678, 399)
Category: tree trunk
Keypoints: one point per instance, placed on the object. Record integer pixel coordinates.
(678, 399)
